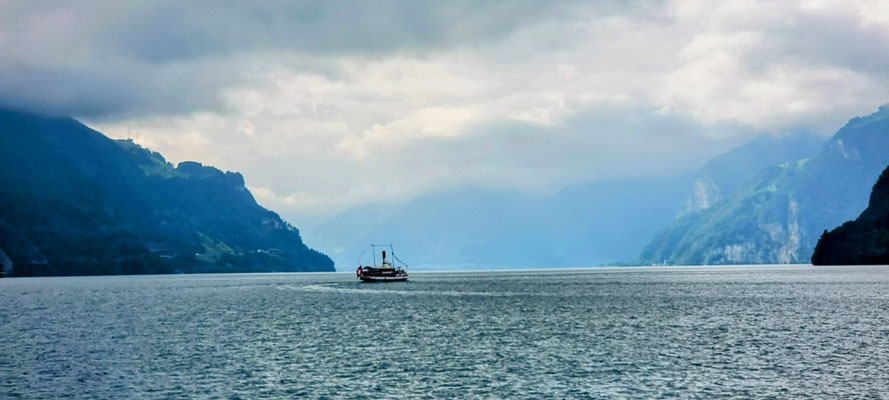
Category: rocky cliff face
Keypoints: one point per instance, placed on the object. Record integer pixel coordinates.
(73, 202)
(704, 194)
(777, 216)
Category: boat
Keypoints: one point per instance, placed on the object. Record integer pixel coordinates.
(386, 271)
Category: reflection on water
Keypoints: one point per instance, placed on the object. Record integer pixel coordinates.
(634, 332)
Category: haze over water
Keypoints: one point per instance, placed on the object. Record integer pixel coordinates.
(716, 332)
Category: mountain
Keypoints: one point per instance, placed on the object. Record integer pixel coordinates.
(864, 240)
(74, 202)
(777, 216)
(581, 225)
(724, 174)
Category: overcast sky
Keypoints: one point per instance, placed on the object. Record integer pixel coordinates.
(328, 104)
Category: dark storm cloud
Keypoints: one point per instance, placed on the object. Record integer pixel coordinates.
(196, 29)
(109, 59)
(112, 60)
(107, 90)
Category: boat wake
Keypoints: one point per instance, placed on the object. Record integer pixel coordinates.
(341, 289)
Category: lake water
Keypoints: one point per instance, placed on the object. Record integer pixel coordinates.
(714, 332)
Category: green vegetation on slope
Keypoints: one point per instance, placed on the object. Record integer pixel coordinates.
(778, 215)
(73, 202)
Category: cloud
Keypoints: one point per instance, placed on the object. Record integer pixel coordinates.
(111, 60)
(779, 64)
(319, 102)
(105, 60)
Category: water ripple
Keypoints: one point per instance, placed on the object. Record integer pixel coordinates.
(744, 332)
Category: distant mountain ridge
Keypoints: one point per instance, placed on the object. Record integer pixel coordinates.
(864, 240)
(588, 224)
(74, 202)
(581, 225)
(778, 216)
